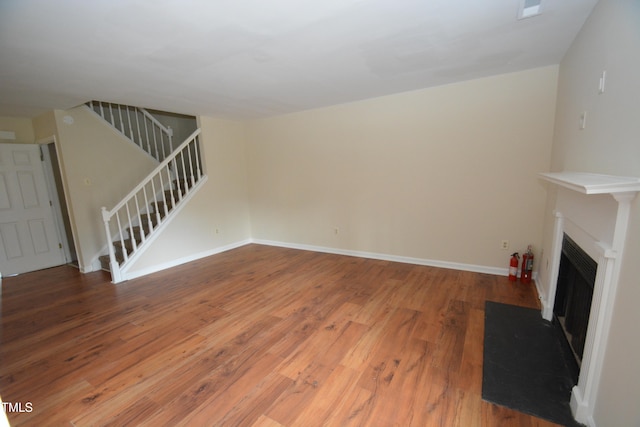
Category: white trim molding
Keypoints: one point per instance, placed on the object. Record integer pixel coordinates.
(387, 257)
(599, 226)
(174, 263)
(593, 183)
(370, 255)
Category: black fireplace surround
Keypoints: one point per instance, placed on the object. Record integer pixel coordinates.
(576, 279)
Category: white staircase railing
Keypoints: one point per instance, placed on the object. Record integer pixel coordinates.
(138, 125)
(136, 220)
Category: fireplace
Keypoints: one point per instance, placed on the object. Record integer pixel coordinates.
(580, 277)
(574, 292)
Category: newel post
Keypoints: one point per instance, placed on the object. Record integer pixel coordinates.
(113, 262)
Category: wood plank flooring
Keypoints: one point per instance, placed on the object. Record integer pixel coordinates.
(257, 336)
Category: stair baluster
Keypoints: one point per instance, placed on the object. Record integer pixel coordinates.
(154, 132)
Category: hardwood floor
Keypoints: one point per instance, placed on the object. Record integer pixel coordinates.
(257, 336)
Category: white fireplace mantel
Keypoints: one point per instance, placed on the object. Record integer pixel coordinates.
(600, 227)
(592, 183)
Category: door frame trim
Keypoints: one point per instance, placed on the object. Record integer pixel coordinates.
(56, 198)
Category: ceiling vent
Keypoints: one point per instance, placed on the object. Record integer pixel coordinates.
(529, 8)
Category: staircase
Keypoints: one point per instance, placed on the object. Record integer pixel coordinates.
(139, 218)
(137, 125)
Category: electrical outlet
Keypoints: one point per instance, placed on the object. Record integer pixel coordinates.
(504, 245)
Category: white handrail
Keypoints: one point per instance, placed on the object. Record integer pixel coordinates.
(155, 121)
(154, 173)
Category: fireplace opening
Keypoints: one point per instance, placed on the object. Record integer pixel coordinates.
(574, 292)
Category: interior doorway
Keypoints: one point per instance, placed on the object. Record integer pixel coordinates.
(55, 186)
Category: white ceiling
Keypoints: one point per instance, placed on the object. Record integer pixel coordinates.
(255, 58)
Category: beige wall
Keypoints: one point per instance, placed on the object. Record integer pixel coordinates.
(22, 127)
(44, 126)
(100, 167)
(439, 174)
(610, 144)
(181, 125)
(218, 215)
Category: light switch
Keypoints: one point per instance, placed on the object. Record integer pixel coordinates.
(583, 120)
(602, 82)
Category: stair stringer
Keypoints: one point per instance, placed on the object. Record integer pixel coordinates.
(143, 247)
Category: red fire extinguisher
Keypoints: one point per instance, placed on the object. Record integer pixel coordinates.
(527, 266)
(513, 266)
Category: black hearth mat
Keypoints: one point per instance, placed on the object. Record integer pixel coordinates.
(525, 367)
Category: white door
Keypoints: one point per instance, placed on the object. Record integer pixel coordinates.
(29, 238)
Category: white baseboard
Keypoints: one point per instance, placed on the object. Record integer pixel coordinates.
(387, 257)
(544, 310)
(173, 263)
(580, 408)
(87, 268)
(361, 254)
